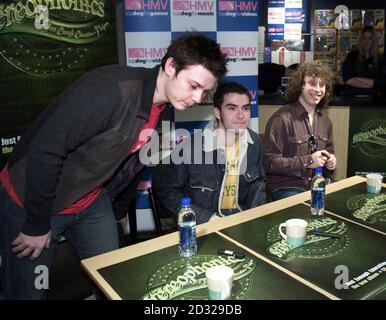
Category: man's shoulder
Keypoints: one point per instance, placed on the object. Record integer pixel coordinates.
(284, 112)
(120, 72)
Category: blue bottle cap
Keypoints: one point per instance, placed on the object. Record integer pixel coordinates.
(319, 170)
(185, 201)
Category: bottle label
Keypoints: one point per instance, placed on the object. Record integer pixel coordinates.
(187, 236)
(317, 198)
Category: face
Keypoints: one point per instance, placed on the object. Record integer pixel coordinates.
(189, 86)
(313, 91)
(235, 112)
(367, 41)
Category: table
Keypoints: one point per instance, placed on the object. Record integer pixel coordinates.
(351, 267)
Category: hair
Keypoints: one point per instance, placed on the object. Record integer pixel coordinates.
(374, 48)
(194, 49)
(312, 69)
(228, 87)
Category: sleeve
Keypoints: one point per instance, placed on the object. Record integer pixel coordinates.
(275, 139)
(73, 118)
(257, 189)
(172, 185)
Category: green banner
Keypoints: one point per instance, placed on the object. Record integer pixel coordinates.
(357, 204)
(46, 45)
(164, 275)
(367, 141)
(351, 267)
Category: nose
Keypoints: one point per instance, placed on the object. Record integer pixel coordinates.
(317, 86)
(197, 96)
(240, 113)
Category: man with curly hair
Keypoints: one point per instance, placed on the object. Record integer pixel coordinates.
(298, 137)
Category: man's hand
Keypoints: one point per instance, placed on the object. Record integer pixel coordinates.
(331, 162)
(25, 246)
(319, 159)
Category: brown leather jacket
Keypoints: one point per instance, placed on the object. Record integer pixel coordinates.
(287, 152)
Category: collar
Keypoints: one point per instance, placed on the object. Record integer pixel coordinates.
(210, 138)
(149, 83)
(299, 111)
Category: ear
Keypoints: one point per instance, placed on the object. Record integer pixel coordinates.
(217, 113)
(170, 69)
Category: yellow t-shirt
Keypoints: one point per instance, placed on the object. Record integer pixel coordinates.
(229, 194)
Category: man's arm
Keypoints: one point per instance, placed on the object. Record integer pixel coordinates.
(361, 82)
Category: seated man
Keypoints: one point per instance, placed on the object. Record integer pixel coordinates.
(222, 169)
(298, 137)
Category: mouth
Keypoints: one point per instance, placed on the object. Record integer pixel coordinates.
(316, 97)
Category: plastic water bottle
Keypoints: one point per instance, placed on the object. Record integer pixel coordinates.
(318, 190)
(187, 229)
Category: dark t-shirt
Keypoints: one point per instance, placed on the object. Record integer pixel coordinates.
(365, 69)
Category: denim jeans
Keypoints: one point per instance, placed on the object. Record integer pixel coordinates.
(90, 232)
(282, 193)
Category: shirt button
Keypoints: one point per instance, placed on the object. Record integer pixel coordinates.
(299, 141)
(309, 179)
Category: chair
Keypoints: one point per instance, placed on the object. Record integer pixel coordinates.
(163, 219)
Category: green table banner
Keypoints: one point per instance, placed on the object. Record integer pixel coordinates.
(367, 141)
(163, 275)
(351, 267)
(357, 204)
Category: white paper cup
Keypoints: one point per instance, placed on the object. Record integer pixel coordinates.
(374, 182)
(220, 281)
(295, 232)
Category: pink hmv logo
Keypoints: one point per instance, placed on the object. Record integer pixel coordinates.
(146, 52)
(226, 5)
(193, 5)
(237, 5)
(133, 5)
(181, 5)
(158, 5)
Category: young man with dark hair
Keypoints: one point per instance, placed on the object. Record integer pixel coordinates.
(83, 150)
(223, 172)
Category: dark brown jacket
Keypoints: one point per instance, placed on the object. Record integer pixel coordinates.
(287, 152)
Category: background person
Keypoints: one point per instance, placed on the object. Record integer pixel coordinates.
(298, 137)
(363, 70)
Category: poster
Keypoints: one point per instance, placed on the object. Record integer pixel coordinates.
(43, 49)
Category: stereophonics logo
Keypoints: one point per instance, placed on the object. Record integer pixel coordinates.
(371, 140)
(368, 208)
(42, 37)
(315, 246)
(182, 280)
